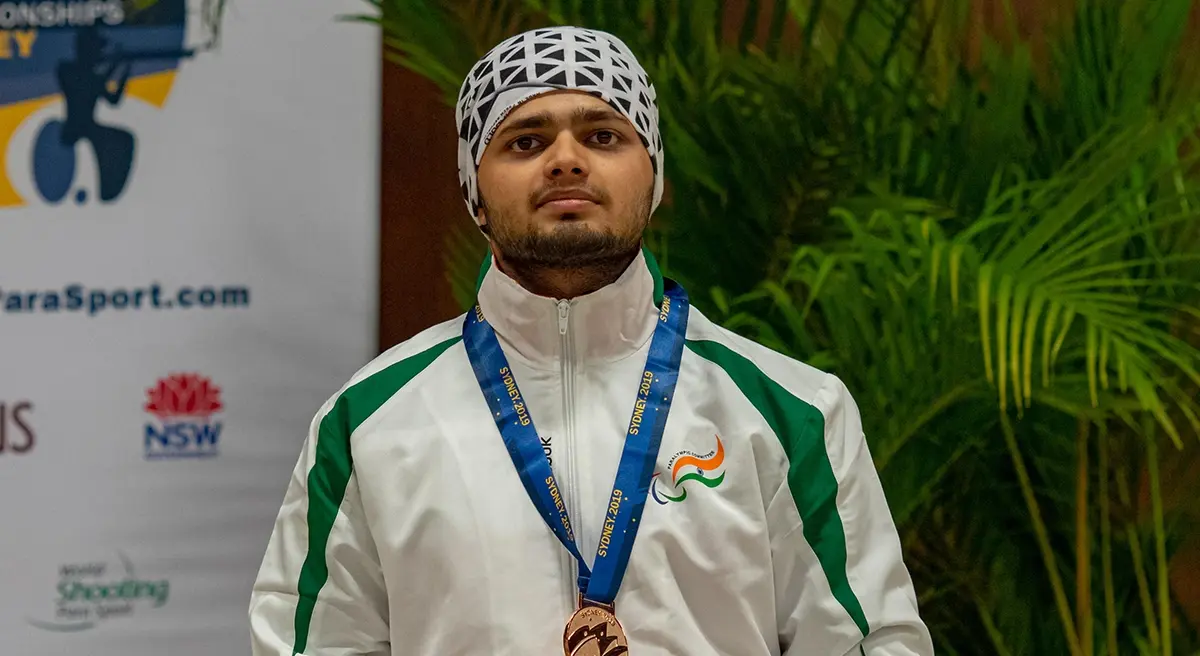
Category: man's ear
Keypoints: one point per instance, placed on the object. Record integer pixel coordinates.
(481, 221)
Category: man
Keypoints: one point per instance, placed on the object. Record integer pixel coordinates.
(509, 482)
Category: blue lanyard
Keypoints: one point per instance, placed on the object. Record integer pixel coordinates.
(632, 484)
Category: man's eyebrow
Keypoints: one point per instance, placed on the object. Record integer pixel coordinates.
(581, 115)
(595, 115)
(531, 122)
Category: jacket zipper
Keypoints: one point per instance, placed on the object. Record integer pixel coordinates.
(570, 493)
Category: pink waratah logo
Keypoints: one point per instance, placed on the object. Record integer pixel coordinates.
(184, 395)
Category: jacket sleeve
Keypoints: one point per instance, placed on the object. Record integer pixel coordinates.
(320, 588)
(839, 574)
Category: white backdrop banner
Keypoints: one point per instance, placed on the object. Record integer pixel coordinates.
(187, 270)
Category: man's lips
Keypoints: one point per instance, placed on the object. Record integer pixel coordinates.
(567, 204)
(567, 200)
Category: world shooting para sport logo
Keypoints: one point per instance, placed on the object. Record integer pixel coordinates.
(73, 73)
(93, 592)
(184, 406)
(685, 467)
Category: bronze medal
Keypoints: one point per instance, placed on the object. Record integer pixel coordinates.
(594, 631)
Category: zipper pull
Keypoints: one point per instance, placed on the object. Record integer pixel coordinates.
(563, 308)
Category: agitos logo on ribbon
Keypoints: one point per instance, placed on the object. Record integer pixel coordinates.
(686, 466)
(184, 405)
(60, 62)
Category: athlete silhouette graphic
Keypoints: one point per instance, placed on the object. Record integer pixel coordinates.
(91, 76)
(96, 73)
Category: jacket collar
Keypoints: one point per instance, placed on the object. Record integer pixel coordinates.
(609, 324)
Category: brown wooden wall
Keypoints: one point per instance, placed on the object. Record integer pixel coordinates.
(418, 199)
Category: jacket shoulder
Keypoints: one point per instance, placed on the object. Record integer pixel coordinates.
(390, 370)
(811, 411)
(729, 351)
(434, 339)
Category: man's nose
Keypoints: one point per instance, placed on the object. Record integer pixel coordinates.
(567, 159)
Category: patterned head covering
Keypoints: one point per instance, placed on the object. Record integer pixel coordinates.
(544, 60)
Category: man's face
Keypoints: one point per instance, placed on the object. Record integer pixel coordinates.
(565, 182)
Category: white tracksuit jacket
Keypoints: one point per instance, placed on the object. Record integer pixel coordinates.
(405, 529)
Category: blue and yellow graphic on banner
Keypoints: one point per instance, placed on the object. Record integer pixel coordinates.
(78, 54)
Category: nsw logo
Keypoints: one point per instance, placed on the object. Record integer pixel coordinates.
(686, 467)
(185, 407)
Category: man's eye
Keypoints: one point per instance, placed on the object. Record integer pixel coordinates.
(605, 137)
(524, 144)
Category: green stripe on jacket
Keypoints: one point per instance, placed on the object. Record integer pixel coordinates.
(801, 430)
(330, 474)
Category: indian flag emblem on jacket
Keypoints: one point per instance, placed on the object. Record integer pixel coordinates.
(692, 469)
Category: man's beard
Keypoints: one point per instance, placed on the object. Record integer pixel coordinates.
(588, 257)
(569, 245)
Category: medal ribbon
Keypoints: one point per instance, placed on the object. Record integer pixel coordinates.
(656, 389)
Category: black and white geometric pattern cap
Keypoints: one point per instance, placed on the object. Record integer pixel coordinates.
(543, 60)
